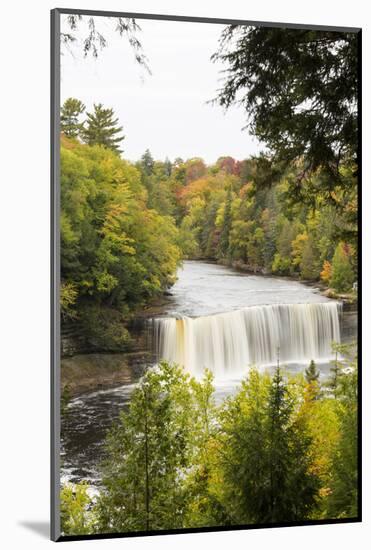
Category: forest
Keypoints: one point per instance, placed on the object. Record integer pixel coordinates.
(284, 447)
(125, 227)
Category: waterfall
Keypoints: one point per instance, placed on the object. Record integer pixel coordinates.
(227, 343)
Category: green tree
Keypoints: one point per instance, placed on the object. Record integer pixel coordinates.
(293, 85)
(77, 516)
(147, 451)
(335, 374)
(265, 461)
(343, 355)
(147, 162)
(116, 253)
(282, 262)
(312, 373)
(226, 225)
(208, 236)
(71, 111)
(309, 264)
(68, 298)
(268, 223)
(239, 239)
(102, 129)
(168, 167)
(343, 500)
(292, 485)
(342, 276)
(243, 459)
(318, 415)
(202, 485)
(188, 239)
(159, 186)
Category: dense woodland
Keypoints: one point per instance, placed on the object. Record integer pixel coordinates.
(125, 227)
(282, 449)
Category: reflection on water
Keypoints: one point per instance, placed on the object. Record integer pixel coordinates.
(202, 289)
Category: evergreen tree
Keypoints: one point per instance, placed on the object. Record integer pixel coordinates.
(311, 373)
(280, 109)
(168, 167)
(335, 372)
(309, 265)
(226, 225)
(313, 389)
(147, 162)
(344, 356)
(343, 500)
(269, 226)
(147, 450)
(285, 235)
(292, 487)
(266, 462)
(207, 232)
(71, 111)
(102, 129)
(244, 460)
(342, 273)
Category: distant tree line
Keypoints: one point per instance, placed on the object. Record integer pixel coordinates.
(241, 213)
(125, 227)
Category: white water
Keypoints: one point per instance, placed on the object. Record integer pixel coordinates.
(201, 293)
(228, 343)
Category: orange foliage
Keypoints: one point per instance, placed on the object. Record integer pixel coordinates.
(68, 143)
(202, 187)
(229, 165)
(326, 272)
(195, 169)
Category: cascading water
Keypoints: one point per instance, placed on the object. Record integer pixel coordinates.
(227, 343)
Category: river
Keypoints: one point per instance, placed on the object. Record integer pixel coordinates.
(222, 319)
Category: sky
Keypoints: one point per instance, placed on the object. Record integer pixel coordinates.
(166, 112)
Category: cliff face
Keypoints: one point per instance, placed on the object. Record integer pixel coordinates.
(78, 338)
(349, 324)
(95, 371)
(90, 364)
(73, 340)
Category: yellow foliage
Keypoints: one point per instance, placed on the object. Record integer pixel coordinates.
(297, 247)
(326, 272)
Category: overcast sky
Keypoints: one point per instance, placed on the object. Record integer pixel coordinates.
(166, 112)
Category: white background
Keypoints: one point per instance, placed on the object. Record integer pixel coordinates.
(166, 111)
(24, 272)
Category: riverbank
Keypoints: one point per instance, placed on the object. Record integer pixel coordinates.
(203, 288)
(97, 371)
(349, 298)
